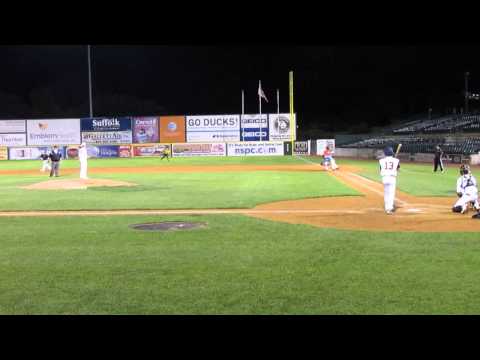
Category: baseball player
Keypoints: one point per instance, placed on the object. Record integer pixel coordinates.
(82, 156)
(45, 162)
(388, 170)
(466, 190)
(165, 153)
(328, 160)
(437, 160)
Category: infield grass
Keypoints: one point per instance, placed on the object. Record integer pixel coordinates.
(237, 265)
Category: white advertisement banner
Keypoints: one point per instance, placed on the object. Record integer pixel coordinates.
(213, 128)
(255, 149)
(12, 126)
(107, 137)
(31, 153)
(13, 139)
(53, 132)
(182, 150)
(280, 127)
(323, 143)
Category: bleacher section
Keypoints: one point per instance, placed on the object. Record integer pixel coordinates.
(422, 144)
(445, 124)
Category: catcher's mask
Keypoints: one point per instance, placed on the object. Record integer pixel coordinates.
(464, 169)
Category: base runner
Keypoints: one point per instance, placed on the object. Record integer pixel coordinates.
(388, 170)
(466, 190)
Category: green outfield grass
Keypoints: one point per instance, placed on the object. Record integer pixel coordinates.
(237, 265)
(201, 190)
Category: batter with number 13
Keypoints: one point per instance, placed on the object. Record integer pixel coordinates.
(388, 170)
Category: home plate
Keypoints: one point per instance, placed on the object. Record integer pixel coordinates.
(413, 210)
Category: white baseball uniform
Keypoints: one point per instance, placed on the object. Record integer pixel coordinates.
(82, 156)
(467, 185)
(388, 170)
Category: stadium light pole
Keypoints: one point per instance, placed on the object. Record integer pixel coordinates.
(467, 74)
(90, 81)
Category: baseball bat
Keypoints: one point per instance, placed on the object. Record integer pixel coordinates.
(398, 149)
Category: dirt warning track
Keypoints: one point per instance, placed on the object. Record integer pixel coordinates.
(413, 214)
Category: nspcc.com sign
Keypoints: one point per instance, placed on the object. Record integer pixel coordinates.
(255, 149)
(213, 128)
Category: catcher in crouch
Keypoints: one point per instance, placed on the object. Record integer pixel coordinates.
(466, 190)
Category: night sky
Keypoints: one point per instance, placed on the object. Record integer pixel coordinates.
(335, 85)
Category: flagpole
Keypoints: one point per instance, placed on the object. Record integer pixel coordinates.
(260, 106)
(278, 102)
(291, 109)
(243, 103)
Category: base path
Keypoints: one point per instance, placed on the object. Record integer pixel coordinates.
(415, 214)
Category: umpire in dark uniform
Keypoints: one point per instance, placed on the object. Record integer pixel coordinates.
(55, 156)
(437, 161)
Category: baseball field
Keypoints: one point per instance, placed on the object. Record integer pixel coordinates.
(278, 235)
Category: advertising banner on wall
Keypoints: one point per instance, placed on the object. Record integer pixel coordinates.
(255, 149)
(150, 150)
(172, 129)
(102, 151)
(107, 137)
(13, 139)
(145, 130)
(107, 130)
(279, 126)
(124, 151)
(323, 143)
(3, 153)
(53, 132)
(301, 147)
(217, 149)
(12, 126)
(211, 128)
(31, 153)
(106, 124)
(254, 127)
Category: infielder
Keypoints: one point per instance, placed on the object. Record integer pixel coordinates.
(466, 190)
(45, 162)
(82, 156)
(388, 170)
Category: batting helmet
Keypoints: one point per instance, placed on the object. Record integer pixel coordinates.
(388, 151)
(464, 169)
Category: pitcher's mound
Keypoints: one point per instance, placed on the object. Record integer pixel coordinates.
(76, 184)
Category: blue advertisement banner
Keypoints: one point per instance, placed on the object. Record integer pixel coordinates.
(254, 134)
(106, 124)
(104, 151)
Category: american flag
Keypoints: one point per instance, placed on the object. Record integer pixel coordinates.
(260, 91)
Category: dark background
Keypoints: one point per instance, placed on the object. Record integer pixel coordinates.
(337, 87)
